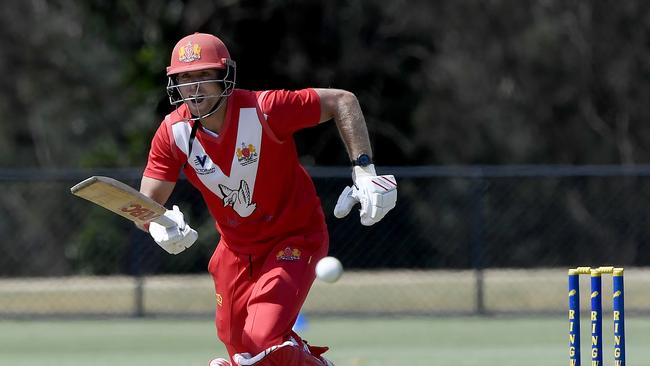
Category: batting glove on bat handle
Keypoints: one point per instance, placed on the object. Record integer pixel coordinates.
(174, 239)
(377, 195)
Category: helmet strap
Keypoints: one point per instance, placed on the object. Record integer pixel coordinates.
(195, 127)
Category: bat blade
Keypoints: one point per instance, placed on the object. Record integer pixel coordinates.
(121, 199)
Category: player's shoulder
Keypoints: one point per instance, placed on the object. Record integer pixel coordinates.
(264, 98)
(285, 96)
(178, 115)
(284, 92)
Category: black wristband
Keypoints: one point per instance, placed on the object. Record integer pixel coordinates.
(362, 160)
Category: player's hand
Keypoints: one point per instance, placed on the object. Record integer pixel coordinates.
(376, 194)
(173, 239)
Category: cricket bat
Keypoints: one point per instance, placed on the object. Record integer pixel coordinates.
(122, 199)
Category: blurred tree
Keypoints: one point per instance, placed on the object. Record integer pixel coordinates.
(451, 82)
(459, 82)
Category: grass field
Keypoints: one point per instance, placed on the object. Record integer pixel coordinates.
(458, 341)
(516, 338)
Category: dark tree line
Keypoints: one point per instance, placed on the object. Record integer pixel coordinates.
(440, 82)
(455, 82)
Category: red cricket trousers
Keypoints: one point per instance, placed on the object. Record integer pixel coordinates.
(260, 294)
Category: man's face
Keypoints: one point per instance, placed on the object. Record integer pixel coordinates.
(202, 92)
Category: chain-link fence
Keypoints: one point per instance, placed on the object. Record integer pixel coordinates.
(461, 240)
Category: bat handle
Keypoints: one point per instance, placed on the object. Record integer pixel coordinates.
(164, 221)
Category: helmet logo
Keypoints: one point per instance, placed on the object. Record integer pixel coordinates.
(190, 52)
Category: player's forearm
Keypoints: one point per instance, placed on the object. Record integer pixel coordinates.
(344, 108)
(352, 127)
(157, 190)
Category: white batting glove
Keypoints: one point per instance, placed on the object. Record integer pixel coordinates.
(376, 194)
(173, 239)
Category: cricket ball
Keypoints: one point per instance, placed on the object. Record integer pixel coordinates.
(329, 269)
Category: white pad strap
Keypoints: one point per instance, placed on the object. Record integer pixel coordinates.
(246, 359)
(219, 362)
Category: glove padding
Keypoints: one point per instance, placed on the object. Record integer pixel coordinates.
(173, 239)
(376, 194)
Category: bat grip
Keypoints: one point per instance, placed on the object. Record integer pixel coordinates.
(164, 221)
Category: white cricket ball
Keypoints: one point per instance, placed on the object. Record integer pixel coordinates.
(329, 269)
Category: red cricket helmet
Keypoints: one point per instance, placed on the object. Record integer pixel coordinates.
(199, 51)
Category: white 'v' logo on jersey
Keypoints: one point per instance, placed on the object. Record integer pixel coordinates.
(237, 189)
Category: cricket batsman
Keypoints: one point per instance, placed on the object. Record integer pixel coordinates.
(236, 147)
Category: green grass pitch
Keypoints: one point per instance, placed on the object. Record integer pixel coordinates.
(457, 341)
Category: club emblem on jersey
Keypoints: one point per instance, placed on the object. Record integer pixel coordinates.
(288, 254)
(239, 199)
(190, 52)
(246, 154)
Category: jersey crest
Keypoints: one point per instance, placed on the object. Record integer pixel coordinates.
(246, 154)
